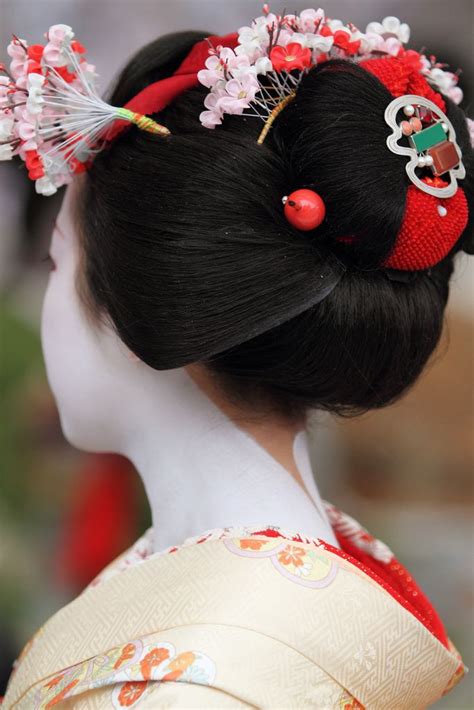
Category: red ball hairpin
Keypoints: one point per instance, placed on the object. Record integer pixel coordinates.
(304, 209)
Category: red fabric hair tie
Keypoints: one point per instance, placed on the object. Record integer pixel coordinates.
(154, 98)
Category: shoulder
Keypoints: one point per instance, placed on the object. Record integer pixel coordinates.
(264, 616)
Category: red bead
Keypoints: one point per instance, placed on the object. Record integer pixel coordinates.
(304, 209)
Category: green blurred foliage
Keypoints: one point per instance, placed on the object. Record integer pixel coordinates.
(21, 365)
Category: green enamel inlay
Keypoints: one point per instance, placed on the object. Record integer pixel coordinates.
(428, 137)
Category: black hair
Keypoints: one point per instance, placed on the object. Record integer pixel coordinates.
(177, 229)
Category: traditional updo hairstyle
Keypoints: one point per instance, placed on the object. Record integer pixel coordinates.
(181, 237)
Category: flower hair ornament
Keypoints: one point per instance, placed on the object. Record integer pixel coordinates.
(53, 118)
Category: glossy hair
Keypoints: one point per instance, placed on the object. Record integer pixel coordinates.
(180, 234)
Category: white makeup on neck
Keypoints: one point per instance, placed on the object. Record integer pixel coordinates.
(200, 470)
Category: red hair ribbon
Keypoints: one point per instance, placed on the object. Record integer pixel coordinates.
(156, 96)
(431, 225)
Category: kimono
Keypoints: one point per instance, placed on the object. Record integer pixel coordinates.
(244, 617)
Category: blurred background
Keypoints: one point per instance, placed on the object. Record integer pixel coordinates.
(406, 472)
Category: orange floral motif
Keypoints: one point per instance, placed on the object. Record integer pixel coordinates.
(153, 658)
(57, 698)
(348, 702)
(292, 555)
(179, 664)
(54, 681)
(353, 705)
(248, 543)
(130, 693)
(127, 652)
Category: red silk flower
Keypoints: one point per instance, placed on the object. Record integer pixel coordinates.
(341, 40)
(293, 56)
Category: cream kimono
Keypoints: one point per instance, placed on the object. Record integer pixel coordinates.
(243, 618)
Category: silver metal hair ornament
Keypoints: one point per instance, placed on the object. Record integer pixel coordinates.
(432, 142)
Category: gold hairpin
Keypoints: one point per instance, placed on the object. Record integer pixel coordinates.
(274, 113)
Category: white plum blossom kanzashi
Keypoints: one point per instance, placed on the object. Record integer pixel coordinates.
(276, 51)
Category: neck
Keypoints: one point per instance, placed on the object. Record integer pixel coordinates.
(202, 471)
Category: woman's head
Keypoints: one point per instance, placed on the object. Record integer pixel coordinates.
(181, 239)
